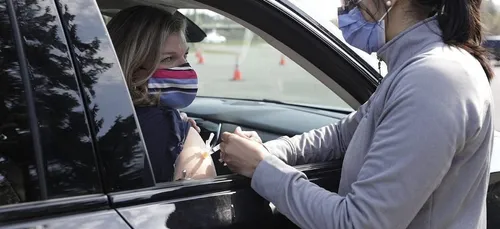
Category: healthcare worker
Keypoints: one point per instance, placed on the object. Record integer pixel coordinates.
(417, 153)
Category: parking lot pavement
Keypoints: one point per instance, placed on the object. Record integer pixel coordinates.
(262, 76)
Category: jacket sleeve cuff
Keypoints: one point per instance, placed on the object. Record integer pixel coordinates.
(282, 149)
(269, 178)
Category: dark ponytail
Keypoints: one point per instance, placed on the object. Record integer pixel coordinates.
(460, 22)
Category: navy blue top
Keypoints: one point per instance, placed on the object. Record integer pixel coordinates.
(164, 133)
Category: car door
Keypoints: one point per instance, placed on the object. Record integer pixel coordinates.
(228, 201)
(49, 175)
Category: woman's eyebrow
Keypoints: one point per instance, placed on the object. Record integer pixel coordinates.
(173, 52)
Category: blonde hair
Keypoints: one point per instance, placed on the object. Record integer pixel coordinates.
(138, 33)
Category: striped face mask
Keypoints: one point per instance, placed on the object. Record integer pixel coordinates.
(176, 86)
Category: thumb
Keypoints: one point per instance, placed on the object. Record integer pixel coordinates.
(238, 131)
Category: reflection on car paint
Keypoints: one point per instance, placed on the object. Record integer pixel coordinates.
(104, 219)
(118, 138)
(206, 212)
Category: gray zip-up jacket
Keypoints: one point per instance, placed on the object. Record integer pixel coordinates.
(416, 155)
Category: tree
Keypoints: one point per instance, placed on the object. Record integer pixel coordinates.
(66, 140)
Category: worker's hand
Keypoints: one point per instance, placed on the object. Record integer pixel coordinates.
(191, 121)
(252, 135)
(241, 154)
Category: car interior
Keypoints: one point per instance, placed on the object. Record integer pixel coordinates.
(270, 119)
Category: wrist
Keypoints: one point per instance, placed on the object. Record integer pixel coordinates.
(263, 153)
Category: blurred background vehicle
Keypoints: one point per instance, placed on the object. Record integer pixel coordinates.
(214, 37)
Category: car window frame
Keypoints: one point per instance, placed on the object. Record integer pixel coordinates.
(173, 191)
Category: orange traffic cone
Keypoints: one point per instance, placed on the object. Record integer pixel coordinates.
(237, 73)
(282, 60)
(201, 59)
(199, 55)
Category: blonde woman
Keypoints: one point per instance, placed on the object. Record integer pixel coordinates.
(152, 48)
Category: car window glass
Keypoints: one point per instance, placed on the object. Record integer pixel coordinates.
(118, 139)
(66, 141)
(233, 62)
(68, 160)
(16, 153)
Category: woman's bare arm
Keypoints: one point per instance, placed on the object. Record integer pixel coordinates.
(191, 159)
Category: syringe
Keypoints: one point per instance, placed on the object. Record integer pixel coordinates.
(210, 150)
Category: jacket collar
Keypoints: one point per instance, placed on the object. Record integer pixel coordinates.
(410, 43)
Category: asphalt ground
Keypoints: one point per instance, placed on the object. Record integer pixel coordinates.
(262, 76)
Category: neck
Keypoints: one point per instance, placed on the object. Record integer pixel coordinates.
(398, 20)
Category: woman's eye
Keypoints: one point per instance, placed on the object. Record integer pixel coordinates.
(166, 60)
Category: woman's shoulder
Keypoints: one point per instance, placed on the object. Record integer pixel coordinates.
(156, 118)
(156, 113)
(447, 80)
(449, 68)
(162, 119)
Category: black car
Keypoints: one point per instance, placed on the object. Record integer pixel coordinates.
(492, 43)
(71, 151)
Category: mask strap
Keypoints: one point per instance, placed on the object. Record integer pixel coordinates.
(383, 16)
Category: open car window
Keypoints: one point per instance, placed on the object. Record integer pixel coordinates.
(234, 62)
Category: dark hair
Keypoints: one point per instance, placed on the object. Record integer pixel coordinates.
(460, 23)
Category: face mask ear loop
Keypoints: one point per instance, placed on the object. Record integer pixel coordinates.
(385, 15)
(380, 21)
